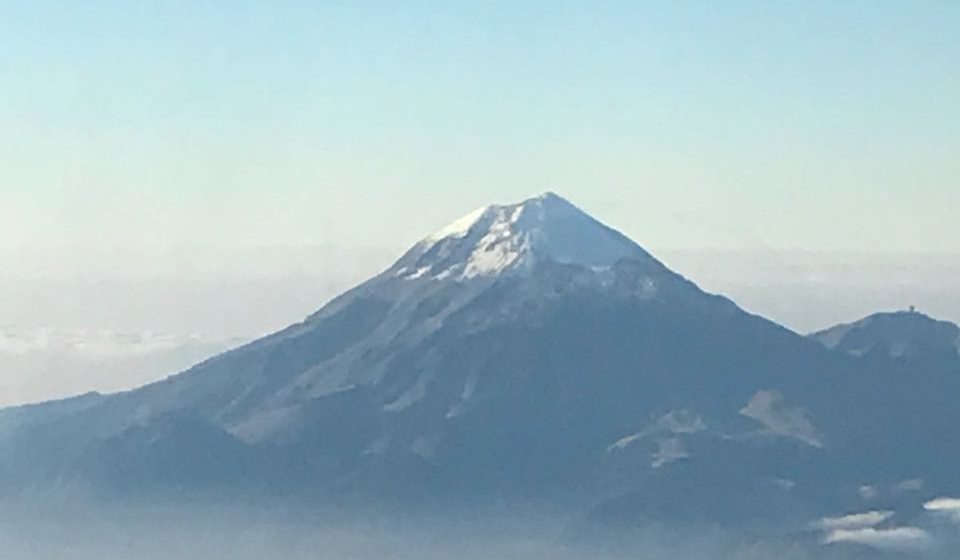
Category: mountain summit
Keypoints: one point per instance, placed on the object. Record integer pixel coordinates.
(902, 335)
(497, 239)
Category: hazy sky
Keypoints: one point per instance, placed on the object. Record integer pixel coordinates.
(224, 167)
(688, 125)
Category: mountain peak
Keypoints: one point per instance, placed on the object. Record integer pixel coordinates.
(509, 237)
(543, 204)
(897, 334)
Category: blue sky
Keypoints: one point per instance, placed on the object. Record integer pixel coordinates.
(688, 125)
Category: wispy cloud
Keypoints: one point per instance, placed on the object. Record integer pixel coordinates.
(897, 538)
(865, 529)
(854, 520)
(95, 344)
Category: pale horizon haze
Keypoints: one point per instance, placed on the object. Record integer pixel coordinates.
(211, 171)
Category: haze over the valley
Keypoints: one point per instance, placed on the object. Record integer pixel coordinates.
(110, 320)
(499, 280)
(162, 163)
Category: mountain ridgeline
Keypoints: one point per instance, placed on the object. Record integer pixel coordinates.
(528, 354)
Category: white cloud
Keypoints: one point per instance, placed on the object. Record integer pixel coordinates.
(898, 538)
(770, 409)
(949, 507)
(864, 529)
(943, 504)
(854, 521)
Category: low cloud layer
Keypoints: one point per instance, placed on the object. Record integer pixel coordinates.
(209, 532)
(45, 363)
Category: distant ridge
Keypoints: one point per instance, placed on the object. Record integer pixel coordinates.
(898, 334)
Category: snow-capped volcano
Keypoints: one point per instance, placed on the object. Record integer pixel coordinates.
(526, 352)
(512, 237)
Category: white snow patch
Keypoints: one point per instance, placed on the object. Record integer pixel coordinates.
(681, 422)
(669, 451)
(378, 447)
(469, 388)
(424, 447)
(460, 227)
(419, 272)
(770, 409)
(676, 422)
(492, 240)
(785, 483)
(626, 442)
(414, 394)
